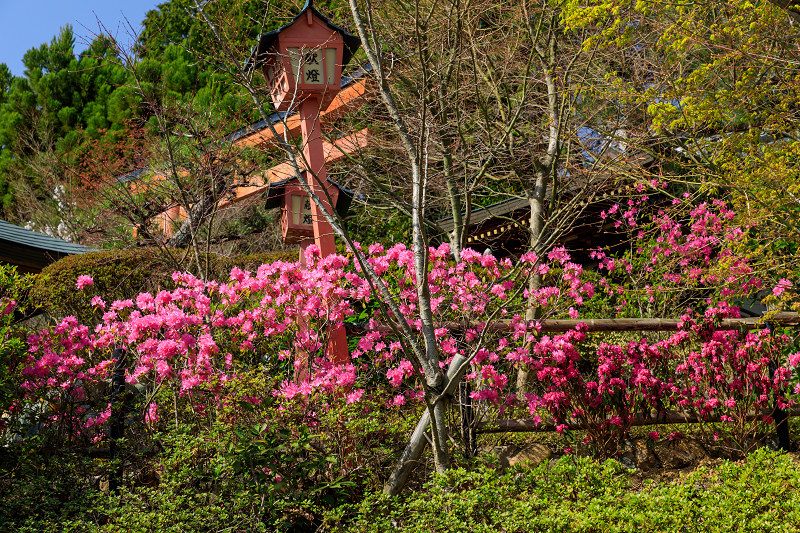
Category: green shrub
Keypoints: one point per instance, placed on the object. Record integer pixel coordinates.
(226, 478)
(122, 274)
(42, 491)
(118, 274)
(579, 495)
(14, 289)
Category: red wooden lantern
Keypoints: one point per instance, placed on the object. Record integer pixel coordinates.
(303, 63)
(297, 217)
(304, 58)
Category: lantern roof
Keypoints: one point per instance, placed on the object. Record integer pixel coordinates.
(277, 189)
(266, 40)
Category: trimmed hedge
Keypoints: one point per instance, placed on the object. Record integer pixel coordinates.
(122, 274)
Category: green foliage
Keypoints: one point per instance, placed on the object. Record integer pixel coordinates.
(387, 227)
(186, 494)
(176, 22)
(210, 478)
(13, 288)
(13, 285)
(43, 492)
(286, 469)
(217, 468)
(577, 494)
(117, 275)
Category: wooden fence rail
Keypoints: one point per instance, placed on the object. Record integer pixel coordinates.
(525, 425)
(604, 324)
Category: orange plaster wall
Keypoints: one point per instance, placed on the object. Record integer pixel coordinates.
(166, 220)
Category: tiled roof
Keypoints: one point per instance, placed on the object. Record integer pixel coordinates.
(351, 42)
(11, 233)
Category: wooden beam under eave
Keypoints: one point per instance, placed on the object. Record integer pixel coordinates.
(348, 99)
(336, 151)
(344, 146)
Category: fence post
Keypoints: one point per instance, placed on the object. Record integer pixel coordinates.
(117, 429)
(782, 429)
(781, 418)
(467, 418)
(779, 415)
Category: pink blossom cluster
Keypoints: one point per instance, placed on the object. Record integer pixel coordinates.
(698, 370)
(197, 337)
(193, 336)
(685, 250)
(467, 293)
(7, 305)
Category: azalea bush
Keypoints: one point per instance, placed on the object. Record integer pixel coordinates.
(682, 256)
(198, 337)
(696, 260)
(738, 379)
(251, 352)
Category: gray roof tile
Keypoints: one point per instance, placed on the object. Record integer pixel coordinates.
(19, 235)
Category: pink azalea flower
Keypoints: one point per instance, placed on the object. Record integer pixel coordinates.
(781, 287)
(355, 396)
(84, 281)
(151, 416)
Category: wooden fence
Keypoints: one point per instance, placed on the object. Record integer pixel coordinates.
(469, 427)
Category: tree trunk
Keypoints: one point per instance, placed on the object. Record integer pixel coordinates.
(441, 456)
(416, 444)
(409, 458)
(532, 312)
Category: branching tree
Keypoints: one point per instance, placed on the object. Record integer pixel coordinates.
(486, 104)
(719, 97)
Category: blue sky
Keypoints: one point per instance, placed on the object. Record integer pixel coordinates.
(29, 23)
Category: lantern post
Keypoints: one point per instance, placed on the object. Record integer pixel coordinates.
(303, 62)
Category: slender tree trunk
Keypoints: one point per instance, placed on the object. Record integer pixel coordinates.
(441, 455)
(456, 206)
(416, 444)
(545, 172)
(409, 459)
(537, 199)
